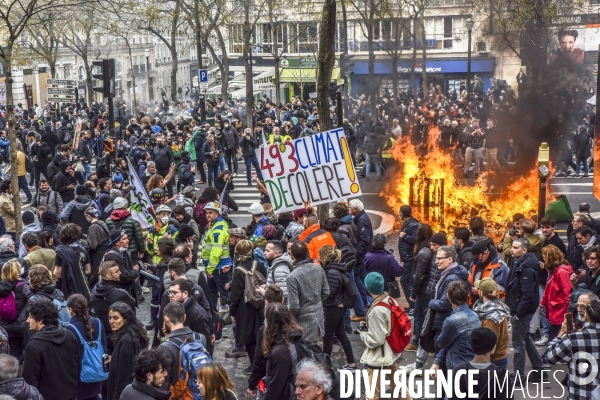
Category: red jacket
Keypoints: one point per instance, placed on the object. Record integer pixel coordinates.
(557, 294)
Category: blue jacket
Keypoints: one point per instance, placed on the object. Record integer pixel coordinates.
(455, 339)
(5, 146)
(379, 260)
(440, 303)
(365, 235)
(522, 294)
(407, 243)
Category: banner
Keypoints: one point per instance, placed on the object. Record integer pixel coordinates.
(316, 169)
(139, 199)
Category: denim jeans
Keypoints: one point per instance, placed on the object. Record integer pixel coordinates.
(421, 306)
(501, 363)
(583, 161)
(543, 317)
(252, 161)
(359, 280)
(359, 306)
(200, 170)
(222, 166)
(216, 286)
(524, 345)
(213, 172)
(25, 187)
(406, 281)
(231, 157)
(375, 158)
(87, 170)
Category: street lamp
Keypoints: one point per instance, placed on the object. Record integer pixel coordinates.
(147, 54)
(469, 24)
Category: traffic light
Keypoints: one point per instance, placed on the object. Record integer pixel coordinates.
(107, 76)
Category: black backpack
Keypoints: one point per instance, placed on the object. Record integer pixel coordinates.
(308, 350)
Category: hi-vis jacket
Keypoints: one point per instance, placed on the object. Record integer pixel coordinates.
(215, 246)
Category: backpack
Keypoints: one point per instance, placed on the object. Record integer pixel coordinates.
(98, 201)
(28, 164)
(64, 318)
(91, 363)
(218, 323)
(305, 349)
(4, 346)
(192, 356)
(349, 296)
(348, 257)
(8, 306)
(401, 329)
(253, 279)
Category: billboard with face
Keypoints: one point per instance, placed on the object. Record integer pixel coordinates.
(567, 46)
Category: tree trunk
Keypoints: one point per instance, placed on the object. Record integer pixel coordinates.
(424, 40)
(277, 90)
(373, 89)
(52, 70)
(413, 74)
(395, 57)
(134, 106)
(325, 62)
(88, 83)
(12, 134)
(225, 62)
(248, 66)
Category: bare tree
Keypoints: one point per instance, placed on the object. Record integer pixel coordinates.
(44, 33)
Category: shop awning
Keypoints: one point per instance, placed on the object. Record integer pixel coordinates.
(264, 81)
(293, 75)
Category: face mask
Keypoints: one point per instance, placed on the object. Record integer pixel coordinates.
(226, 125)
(164, 220)
(122, 249)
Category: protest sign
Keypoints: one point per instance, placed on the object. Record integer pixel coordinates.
(140, 202)
(316, 168)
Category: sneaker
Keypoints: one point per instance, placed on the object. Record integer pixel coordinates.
(356, 318)
(348, 367)
(150, 325)
(542, 342)
(536, 376)
(348, 329)
(224, 308)
(586, 176)
(408, 368)
(234, 353)
(411, 347)
(411, 312)
(247, 370)
(145, 289)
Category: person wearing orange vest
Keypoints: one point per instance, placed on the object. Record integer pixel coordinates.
(487, 264)
(314, 236)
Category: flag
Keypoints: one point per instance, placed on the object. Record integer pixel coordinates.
(139, 199)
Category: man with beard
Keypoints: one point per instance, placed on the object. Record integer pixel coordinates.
(64, 182)
(46, 196)
(119, 254)
(487, 264)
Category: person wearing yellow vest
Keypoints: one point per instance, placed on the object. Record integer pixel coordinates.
(22, 171)
(487, 264)
(387, 153)
(215, 252)
(275, 137)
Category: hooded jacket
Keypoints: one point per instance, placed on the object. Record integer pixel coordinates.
(421, 272)
(557, 294)
(62, 180)
(75, 212)
(132, 228)
(34, 227)
(315, 238)
(72, 279)
(406, 244)
(465, 255)
(104, 295)
(163, 157)
(49, 198)
(141, 391)
(494, 315)
(522, 294)
(278, 271)
(18, 389)
(42, 154)
(128, 274)
(440, 303)
(493, 268)
(50, 224)
(379, 260)
(53, 360)
(333, 272)
(54, 168)
(22, 293)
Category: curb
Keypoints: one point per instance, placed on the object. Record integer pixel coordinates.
(387, 222)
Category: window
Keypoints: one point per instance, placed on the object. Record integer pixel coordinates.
(382, 30)
(236, 39)
(308, 37)
(81, 73)
(447, 32)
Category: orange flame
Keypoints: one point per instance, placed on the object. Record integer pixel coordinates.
(452, 204)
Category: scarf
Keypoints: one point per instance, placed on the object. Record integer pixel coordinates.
(494, 310)
(445, 273)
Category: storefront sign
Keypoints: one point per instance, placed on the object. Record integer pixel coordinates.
(433, 66)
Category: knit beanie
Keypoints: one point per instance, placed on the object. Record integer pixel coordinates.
(374, 283)
(439, 238)
(115, 235)
(483, 340)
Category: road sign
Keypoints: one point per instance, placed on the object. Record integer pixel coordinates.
(61, 99)
(203, 75)
(60, 82)
(203, 85)
(61, 91)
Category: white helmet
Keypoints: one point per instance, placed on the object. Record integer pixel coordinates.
(162, 208)
(213, 206)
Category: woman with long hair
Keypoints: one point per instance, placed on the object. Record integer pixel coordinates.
(246, 318)
(97, 238)
(214, 384)
(208, 195)
(280, 332)
(421, 268)
(14, 323)
(493, 314)
(165, 248)
(129, 338)
(156, 181)
(87, 329)
(557, 294)
(333, 308)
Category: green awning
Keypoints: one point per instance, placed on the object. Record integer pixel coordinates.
(293, 75)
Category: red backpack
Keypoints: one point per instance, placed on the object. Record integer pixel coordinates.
(401, 330)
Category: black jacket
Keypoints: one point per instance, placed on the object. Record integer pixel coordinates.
(53, 167)
(249, 146)
(279, 370)
(440, 303)
(334, 272)
(104, 295)
(198, 144)
(19, 389)
(21, 292)
(231, 138)
(128, 274)
(465, 255)
(84, 151)
(52, 140)
(53, 363)
(121, 366)
(141, 391)
(198, 320)
(163, 157)
(421, 270)
(365, 235)
(186, 176)
(247, 318)
(62, 180)
(522, 294)
(42, 154)
(406, 244)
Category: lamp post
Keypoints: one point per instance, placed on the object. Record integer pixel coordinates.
(469, 24)
(147, 54)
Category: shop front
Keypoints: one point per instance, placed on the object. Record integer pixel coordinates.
(448, 74)
(298, 76)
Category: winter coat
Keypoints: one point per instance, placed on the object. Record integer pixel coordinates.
(421, 271)
(279, 269)
(582, 145)
(7, 212)
(62, 180)
(186, 176)
(279, 369)
(41, 155)
(440, 303)
(52, 362)
(74, 212)
(454, 341)
(522, 294)
(333, 272)
(39, 255)
(494, 268)
(198, 320)
(50, 198)
(163, 157)
(494, 315)
(132, 228)
(137, 390)
(465, 256)
(21, 292)
(231, 138)
(379, 260)
(206, 149)
(128, 274)
(249, 146)
(348, 228)
(307, 287)
(379, 323)
(434, 277)
(18, 389)
(180, 335)
(557, 294)
(406, 244)
(199, 144)
(247, 318)
(365, 235)
(83, 151)
(106, 293)
(53, 167)
(121, 366)
(52, 140)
